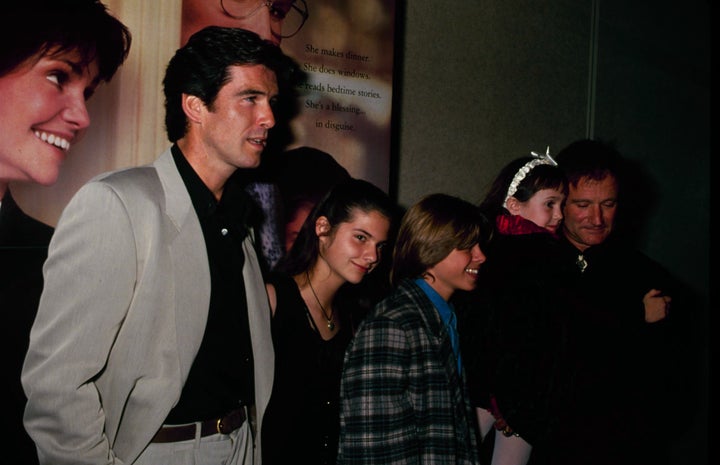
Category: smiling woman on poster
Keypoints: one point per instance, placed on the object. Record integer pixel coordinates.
(54, 56)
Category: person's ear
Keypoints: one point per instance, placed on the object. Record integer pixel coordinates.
(513, 205)
(193, 107)
(322, 226)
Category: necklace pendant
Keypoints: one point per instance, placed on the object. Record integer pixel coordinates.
(581, 263)
(331, 325)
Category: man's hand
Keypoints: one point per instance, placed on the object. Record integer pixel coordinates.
(657, 306)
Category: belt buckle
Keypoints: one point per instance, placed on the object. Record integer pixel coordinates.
(219, 426)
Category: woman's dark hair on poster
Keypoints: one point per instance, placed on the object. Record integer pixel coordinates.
(35, 29)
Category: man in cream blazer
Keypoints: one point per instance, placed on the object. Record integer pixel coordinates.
(128, 285)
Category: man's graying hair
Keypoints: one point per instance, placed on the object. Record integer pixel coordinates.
(201, 68)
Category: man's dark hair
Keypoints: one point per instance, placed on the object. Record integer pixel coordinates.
(202, 67)
(592, 159)
(38, 28)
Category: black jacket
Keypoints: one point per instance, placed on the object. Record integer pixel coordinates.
(514, 333)
(23, 250)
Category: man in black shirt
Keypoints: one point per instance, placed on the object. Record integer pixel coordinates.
(626, 341)
(152, 340)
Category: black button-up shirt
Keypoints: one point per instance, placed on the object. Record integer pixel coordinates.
(221, 377)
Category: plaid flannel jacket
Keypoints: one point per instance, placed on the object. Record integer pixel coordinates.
(402, 398)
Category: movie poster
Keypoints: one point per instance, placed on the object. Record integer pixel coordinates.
(345, 47)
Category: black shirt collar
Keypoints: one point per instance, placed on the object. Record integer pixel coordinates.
(235, 202)
(203, 200)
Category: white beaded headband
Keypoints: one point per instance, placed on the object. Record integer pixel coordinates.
(545, 159)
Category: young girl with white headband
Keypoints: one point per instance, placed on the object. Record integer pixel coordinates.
(513, 324)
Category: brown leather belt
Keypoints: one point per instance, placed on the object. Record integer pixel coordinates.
(224, 425)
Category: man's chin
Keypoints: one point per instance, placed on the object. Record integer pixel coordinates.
(594, 239)
(251, 162)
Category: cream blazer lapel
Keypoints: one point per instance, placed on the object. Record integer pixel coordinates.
(261, 338)
(190, 271)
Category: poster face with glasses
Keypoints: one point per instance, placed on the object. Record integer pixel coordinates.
(346, 49)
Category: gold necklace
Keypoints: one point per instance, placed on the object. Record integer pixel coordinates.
(329, 319)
